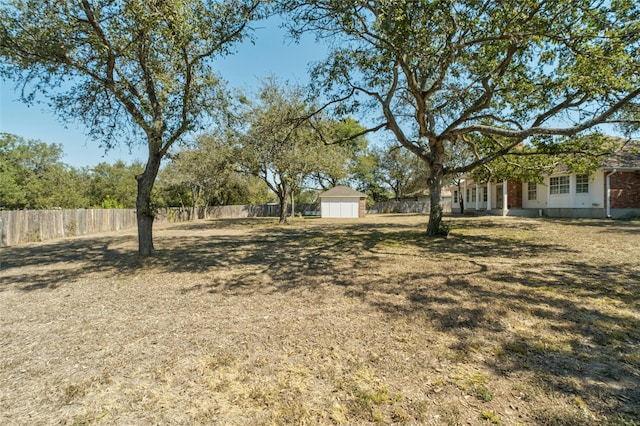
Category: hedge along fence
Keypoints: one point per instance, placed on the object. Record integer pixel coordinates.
(24, 226)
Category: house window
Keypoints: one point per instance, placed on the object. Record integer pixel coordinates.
(468, 190)
(473, 196)
(582, 184)
(532, 191)
(455, 196)
(486, 191)
(559, 185)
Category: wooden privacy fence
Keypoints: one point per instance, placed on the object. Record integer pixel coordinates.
(407, 207)
(176, 214)
(24, 226)
(400, 207)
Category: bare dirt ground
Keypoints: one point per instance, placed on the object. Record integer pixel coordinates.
(237, 322)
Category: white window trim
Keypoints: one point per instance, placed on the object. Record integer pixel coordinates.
(560, 185)
(581, 184)
(531, 191)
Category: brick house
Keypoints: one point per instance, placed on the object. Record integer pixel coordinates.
(612, 191)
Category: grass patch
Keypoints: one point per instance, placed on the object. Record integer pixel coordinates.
(475, 384)
(492, 417)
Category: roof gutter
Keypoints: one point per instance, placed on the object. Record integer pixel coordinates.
(621, 169)
(613, 172)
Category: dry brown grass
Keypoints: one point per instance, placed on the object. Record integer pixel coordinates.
(507, 321)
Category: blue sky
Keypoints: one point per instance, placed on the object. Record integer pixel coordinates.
(272, 54)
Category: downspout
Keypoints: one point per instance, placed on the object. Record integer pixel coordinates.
(609, 192)
(505, 197)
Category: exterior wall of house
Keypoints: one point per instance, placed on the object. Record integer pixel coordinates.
(453, 200)
(472, 196)
(593, 199)
(538, 197)
(574, 200)
(624, 196)
(625, 190)
(514, 195)
(593, 213)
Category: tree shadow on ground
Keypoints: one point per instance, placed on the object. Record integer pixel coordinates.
(578, 332)
(498, 277)
(604, 226)
(51, 265)
(567, 321)
(575, 347)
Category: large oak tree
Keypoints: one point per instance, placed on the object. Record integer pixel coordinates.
(486, 75)
(126, 69)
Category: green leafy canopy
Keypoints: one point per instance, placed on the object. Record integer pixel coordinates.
(443, 71)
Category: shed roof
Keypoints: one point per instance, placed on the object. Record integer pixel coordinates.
(342, 191)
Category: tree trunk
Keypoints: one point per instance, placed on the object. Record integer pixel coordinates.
(144, 210)
(435, 210)
(194, 199)
(283, 206)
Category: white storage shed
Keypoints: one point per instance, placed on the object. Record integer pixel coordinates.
(342, 202)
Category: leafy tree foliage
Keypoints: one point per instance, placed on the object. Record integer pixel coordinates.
(208, 174)
(351, 161)
(487, 75)
(243, 189)
(402, 171)
(281, 144)
(367, 177)
(111, 185)
(340, 161)
(201, 171)
(33, 176)
(125, 68)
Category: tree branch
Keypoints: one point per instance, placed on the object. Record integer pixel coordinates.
(481, 161)
(567, 131)
(348, 138)
(484, 101)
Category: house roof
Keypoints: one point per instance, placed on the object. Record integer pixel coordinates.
(627, 156)
(341, 191)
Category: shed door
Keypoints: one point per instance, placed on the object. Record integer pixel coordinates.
(350, 208)
(342, 207)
